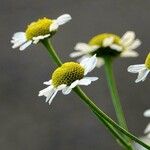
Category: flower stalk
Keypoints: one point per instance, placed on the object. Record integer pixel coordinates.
(114, 93)
(89, 102)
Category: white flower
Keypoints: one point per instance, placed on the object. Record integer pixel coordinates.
(124, 47)
(142, 69)
(68, 76)
(39, 30)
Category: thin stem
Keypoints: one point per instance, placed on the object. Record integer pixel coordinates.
(114, 93)
(92, 106)
(52, 52)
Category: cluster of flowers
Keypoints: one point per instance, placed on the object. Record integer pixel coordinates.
(70, 74)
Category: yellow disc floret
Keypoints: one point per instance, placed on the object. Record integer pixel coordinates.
(67, 74)
(147, 61)
(103, 51)
(98, 39)
(40, 27)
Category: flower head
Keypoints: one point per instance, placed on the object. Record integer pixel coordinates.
(38, 30)
(68, 76)
(142, 69)
(108, 44)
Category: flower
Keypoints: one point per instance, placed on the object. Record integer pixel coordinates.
(108, 44)
(37, 31)
(141, 69)
(68, 76)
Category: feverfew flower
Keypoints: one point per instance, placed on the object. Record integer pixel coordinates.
(141, 69)
(39, 30)
(108, 44)
(68, 76)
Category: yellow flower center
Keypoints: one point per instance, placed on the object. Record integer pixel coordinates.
(147, 61)
(67, 74)
(98, 39)
(40, 27)
(105, 51)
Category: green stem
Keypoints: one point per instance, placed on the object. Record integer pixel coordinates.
(52, 52)
(114, 93)
(92, 106)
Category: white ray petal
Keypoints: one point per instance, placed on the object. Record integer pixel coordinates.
(89, 64)
(74, 84)
(100, 62)
(18, 39)
(25, 45)
(48, 82)
(45, 91)
(85, 47)
(63, 19)
(66, 90)
(38, 38)
(54, 26)
(129, 53)
(147, 129)
(116, 47)
(135, 44)
(147, 113)
(136, 68)
(128, 38)
(142, 75)
(87, 80)
(52, 97)
(108, 41)
(76, 54)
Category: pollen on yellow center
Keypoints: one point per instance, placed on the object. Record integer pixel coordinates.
(67, 74)
(40, 27)
(98, 39)
(147, 61)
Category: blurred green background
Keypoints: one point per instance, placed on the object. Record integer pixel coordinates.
(26, 121)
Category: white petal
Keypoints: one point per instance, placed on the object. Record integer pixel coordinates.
(25, 45)
(116, 47)
(45, 91)
(147, 113)
(128, 38)
(100, 62)
(87, 80)
(129, 53)
(61, 87)
(76, 54)
(38, 38)
(135, 44)
(147, 129)
(63, 19)
(85, 47)
(66, 90)
(18, 39)
(48, 82)
(108, 41)
(136, 68)
(142, 75)
(74, 84)
(54, 26)
(52, 97)
(89, 64)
